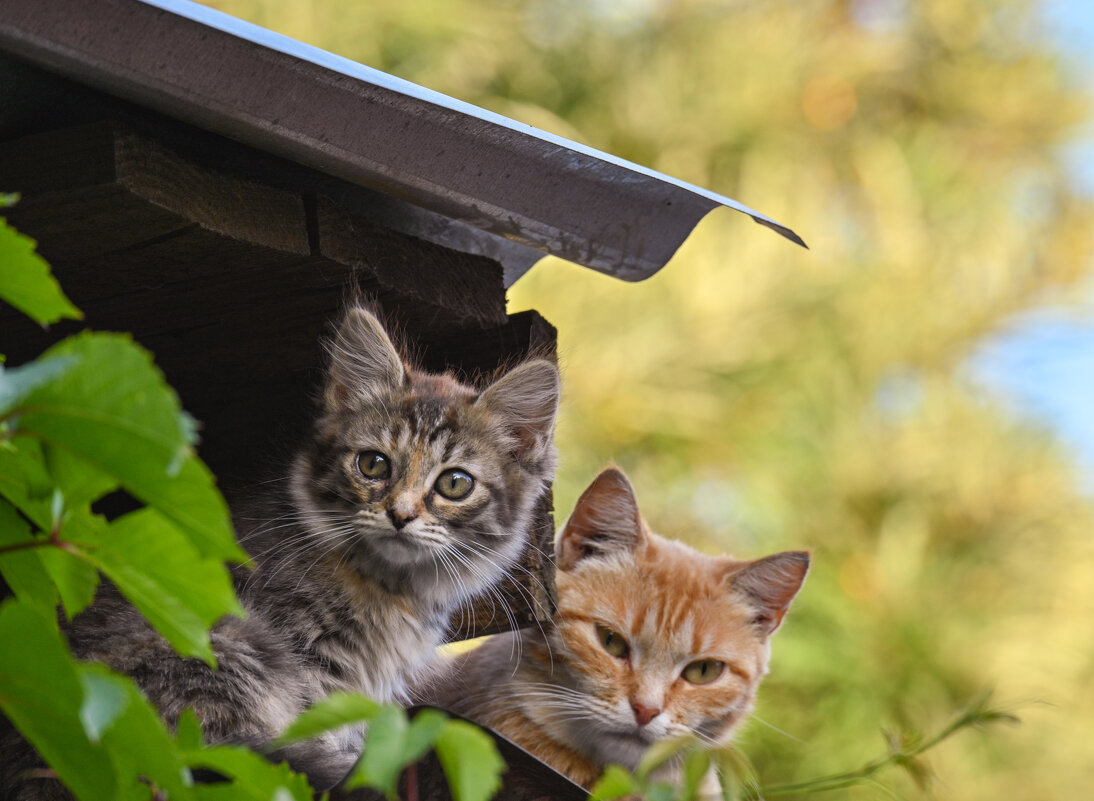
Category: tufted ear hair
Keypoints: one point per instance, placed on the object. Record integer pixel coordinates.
(605, 520)
(363, 361)
(769, 585)
(526, 399)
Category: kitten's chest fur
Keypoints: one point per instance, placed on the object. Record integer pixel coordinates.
(346, 631)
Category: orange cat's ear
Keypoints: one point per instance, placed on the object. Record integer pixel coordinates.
(770, 584)
(605, 520)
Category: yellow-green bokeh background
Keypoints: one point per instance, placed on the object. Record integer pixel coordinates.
(765, 397)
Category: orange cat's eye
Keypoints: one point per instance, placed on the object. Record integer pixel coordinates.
(612, 642)
(704, 671)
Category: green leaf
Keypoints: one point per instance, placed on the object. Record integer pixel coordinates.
(104, 701)
(139, 745)
(336, 710)
(16, 383)
(23, 570)
(26, 281)
(25, 482)
(661, 752)
(423, 733)
(735, 773)
(383, 757)
(158, 569)
(41, 694)
(470, 760)
(615, 782)
(114, 410)
(24, 479)
(660, 791)
(188, 731)
(75, 577)
(79, 482)
(252, 777)
(697, 764)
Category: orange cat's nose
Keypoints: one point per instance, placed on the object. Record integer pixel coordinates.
(644, 714)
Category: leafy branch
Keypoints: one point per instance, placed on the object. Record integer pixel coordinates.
(693, 760)
(394, 743)
(905, 752)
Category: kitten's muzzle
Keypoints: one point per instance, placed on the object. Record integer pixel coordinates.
(644, 714)
(399, 521)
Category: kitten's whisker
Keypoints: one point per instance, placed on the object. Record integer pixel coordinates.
(290, 556)
(774, 728)
(337, 543)
(480, 550)
(487, 580)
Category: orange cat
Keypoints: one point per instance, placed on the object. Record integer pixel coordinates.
(651, 639)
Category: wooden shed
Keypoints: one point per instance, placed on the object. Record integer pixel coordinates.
(214, 188)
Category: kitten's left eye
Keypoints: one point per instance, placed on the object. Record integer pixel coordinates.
(703, 671)
(373, 464)
(454, 484)
(613, 643)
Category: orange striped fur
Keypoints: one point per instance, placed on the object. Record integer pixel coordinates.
(579, 702)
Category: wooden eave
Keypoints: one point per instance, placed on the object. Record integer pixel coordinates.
(469, 179)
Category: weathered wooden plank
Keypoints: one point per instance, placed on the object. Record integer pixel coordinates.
(51, 168)
(417, 276)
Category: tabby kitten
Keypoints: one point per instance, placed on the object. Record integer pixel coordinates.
(651, 639)
(414, 493)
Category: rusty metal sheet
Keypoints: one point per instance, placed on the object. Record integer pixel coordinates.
(513, 189)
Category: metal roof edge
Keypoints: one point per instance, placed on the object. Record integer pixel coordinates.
(505, 178)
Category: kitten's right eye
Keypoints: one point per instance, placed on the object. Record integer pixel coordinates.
(373, 464)
(613, 643)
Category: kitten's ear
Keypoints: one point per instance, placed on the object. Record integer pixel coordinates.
(605, 520)
(770, 584)
(363, 360)
(526, 398)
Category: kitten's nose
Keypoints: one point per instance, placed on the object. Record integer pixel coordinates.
(644, 714)
(399, 520)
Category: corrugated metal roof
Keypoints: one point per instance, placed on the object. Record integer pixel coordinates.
(516, 192)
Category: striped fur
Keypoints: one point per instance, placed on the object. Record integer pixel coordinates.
(354, 579)
(568, 700)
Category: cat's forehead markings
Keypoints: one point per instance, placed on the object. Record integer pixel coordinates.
(444, 388)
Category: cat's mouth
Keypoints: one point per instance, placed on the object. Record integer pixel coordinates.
(405, 546)
(641, 737)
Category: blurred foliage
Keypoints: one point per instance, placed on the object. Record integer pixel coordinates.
(764, 397)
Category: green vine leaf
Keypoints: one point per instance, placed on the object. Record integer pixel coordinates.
(26, 281)
(18, 382)
(470, 760)
(113, 410)
(41, 693)
(614, 783)
(252, 777)
(105, 699)
(23, 569)
(157, 568)
(383, 758)
(336, 710)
